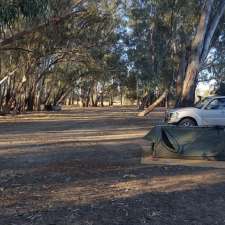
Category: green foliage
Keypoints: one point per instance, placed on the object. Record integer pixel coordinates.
(81, 47)
(221, 89)
(11, 10)
(131, 85)
(78, 53)
(32, 8)
(158, 33)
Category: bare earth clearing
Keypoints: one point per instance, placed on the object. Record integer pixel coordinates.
(83, 167)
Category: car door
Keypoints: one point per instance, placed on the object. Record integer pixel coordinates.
(213, 114)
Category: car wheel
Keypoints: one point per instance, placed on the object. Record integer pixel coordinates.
(187, 123)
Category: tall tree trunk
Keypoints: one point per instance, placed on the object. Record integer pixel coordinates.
(200, 49)
(88, 97)
(154, 104)
(111, 99)
(63, 97)
(102, 99)
(94, 96)
(121, 98)
(30, 100)
(145, 101)
(180, 76)
(189, 84)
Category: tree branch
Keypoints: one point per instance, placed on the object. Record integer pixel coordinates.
(211, 30)
(52, 21)
(16, 49)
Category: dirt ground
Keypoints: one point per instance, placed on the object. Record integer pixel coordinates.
(83, 167)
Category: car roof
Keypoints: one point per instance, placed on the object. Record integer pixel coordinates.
(217, 96)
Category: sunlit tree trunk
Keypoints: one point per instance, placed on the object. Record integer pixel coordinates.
(154, 104)
(111, 100)
(94, 97)
(200, 49)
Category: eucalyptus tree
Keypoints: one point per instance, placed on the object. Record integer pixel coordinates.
(38, 35)
(59, 45)
(152, 51)
(181, 33)
(211, 16)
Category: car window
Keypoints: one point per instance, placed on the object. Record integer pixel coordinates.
(216, 104)
(201, 103)
(222, 103)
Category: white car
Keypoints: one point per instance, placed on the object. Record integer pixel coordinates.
(208, 112)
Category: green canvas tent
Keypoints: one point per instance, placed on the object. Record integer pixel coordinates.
(187, 142)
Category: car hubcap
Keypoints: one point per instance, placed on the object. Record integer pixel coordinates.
(187, 124)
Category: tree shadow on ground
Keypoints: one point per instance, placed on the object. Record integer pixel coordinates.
(200, 206)
(48, 187)
(101, 123)
(99, 182)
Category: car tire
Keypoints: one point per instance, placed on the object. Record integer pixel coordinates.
(187, 122)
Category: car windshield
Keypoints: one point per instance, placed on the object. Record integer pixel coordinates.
(201, 103)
